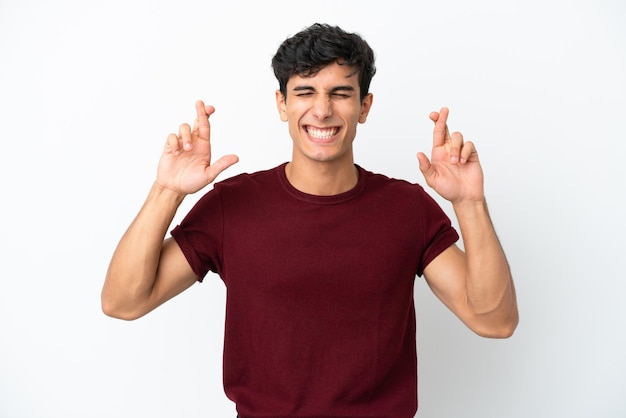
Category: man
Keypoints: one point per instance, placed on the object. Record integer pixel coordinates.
(318, 255)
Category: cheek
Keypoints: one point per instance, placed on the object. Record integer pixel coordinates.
(294, 127)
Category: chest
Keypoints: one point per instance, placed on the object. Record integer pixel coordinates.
(316, 252)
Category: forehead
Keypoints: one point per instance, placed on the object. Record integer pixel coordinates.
(329, 76)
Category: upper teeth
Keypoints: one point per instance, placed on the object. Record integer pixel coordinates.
(322, 133)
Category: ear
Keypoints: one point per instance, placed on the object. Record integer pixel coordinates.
(281, 105)
(366, 105)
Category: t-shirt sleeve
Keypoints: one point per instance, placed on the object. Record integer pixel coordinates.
(200, 235)
(439, 234)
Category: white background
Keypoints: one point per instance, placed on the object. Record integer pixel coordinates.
(89, 91)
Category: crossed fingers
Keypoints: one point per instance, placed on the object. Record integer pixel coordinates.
(458, 150)
(187, 135)
(201, 125)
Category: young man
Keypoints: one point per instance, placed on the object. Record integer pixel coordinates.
(318, 255)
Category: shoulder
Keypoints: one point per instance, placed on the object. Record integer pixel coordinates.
(382, 182)
(400, 194)
(248, 185)
(247, 190)
(257, 177)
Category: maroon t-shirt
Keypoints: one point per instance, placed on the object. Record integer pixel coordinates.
(320, 320)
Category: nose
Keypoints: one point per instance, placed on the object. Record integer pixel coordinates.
(322, 107)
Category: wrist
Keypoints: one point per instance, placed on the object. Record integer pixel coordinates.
(164, 192)
(470, 207)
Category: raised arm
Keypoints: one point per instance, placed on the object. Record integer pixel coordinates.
(476, 284)
(145, 269)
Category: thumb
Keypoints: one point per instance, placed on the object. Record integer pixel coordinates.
(220, 165)
(424, 163)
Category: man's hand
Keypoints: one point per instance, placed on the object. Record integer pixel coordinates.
(185, 166)
(454, 170)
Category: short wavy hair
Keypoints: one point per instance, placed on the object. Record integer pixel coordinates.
(319, 45)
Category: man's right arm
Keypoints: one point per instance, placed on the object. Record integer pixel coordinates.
(146, 269)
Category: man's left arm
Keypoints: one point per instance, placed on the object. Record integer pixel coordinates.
(476, 284)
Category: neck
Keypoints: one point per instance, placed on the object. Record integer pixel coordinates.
(322, 178)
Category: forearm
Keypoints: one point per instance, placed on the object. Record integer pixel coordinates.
(132, 270)
(489, 284)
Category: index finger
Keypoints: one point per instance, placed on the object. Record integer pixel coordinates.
(202, 120)
(440, 132)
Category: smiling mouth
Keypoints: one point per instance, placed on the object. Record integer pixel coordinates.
(321, 133)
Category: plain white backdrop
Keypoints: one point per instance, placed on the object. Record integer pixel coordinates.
(89, 91)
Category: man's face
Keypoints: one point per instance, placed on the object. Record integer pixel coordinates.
(323, 112)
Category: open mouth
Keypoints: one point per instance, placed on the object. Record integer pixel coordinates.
(321, 133)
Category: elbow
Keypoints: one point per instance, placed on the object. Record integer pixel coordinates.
(114, 310)
(499, 321)
(501, 332)
(511, 327)
(119, 314)
(125, 303)
(110, 311)
(498, 330)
